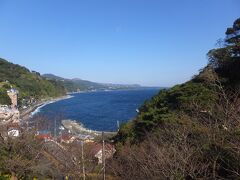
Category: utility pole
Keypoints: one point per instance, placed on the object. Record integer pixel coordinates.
(83, 165)
(103, 157)
(27, 125)
(55, 130)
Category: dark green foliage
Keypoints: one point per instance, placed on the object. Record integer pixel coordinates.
(4, 98)
(4, 177)
(226, 60)
(165, 107)
(198, 121)
(199, 94)
(126, 131)
(29, 84)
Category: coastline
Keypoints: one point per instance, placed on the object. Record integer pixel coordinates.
(78, 129)
(33, 109)
(71, 125)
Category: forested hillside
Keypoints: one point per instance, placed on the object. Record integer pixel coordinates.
(76, 84)
(191, 130)
(73, 85)
(30, 84)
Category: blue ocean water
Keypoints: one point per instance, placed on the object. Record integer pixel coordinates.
(99, 110)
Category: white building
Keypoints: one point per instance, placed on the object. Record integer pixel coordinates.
(13, 133)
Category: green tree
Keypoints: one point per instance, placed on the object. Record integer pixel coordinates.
(226, 60)
(4, 98)
(29, 84)
(193, 127)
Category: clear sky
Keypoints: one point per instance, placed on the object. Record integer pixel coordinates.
(149, 42)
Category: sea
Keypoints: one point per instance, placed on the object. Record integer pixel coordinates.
(99, 110)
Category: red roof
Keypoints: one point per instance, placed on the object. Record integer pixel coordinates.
(96, 147)
(13, 125)
(44, 136)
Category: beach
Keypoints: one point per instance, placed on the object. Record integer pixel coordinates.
(33, 109)
(72, 126)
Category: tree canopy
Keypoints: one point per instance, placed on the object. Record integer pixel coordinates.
(30, 84)
(191, 130)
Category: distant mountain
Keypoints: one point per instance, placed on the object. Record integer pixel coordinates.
(34, 86)
(76, 84)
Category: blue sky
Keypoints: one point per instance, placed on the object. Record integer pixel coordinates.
(149, 42)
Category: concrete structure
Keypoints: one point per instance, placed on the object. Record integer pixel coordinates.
(13, 94)
(8, 115)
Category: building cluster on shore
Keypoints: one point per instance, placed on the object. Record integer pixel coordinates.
(13, 126)
(10, 115)
(66, 138)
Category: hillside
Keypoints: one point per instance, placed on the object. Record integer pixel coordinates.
(30, 84)
(191, 130)
(76, 84)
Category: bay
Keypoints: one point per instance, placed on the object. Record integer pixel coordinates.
(98, 110)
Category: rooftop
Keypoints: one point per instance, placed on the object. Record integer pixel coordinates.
(13, 90)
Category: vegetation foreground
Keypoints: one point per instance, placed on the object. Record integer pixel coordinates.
(191, 131)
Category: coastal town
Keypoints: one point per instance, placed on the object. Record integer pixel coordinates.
(120, 90)
(14, 122)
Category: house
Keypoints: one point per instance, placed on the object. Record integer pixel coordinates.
(67, 138)
(13, 133)
(96, 151)
(13, 130)
(43, 135)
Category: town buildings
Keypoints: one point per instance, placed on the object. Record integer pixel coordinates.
(13, 94)
(10, 115)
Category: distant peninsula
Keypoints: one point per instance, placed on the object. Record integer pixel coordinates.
(77, 84)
